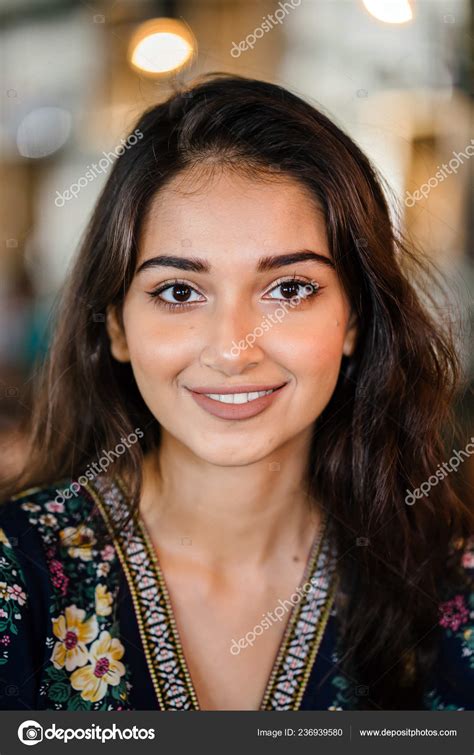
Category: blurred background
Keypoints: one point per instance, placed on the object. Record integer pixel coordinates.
(397, 75)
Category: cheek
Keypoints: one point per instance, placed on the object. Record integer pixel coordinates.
(317, 340)
(157, 354)
(156, 349)
(318, 353)
(317, 380)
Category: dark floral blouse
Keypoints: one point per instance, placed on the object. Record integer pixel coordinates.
(89, 626)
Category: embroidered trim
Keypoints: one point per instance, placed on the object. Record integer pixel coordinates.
(163, 652)
(304, 632)
(160, 637)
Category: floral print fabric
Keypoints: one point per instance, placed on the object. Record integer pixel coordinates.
(69, 637)
(83, 668)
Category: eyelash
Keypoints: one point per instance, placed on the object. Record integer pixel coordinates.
(155, 294)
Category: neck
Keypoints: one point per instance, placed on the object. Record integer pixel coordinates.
(230, 515)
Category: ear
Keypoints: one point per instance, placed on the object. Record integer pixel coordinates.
(116, 333)
(351, 335)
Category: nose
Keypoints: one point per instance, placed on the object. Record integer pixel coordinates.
(231, 343)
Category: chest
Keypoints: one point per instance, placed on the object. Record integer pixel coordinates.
(230, 640)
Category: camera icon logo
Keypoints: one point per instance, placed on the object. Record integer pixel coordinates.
(30, 733)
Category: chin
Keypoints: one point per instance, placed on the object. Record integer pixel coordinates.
(229, 456)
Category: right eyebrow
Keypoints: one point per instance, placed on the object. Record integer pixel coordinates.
(198, 265)
(191, 264)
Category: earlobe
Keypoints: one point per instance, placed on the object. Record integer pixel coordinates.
(116, 333)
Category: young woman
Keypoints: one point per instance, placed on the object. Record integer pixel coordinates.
(238, 494)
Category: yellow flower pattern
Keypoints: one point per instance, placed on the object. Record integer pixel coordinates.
(103, 601)
(73, 633)
(105, 668)
(79, 540)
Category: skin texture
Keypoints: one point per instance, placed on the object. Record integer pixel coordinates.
(224, 500)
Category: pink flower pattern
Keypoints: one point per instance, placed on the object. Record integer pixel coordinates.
(58, 578)
(17, 593)
(454, 613)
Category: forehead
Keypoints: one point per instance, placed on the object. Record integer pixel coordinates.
(226, 211)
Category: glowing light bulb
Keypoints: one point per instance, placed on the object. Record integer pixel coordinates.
(390, 11)
(161, 46)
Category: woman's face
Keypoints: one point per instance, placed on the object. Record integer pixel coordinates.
(218, 316)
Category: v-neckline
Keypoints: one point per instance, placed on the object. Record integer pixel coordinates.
(156, 621)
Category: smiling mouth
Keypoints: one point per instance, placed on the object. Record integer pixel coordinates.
(239, 397)
(236, 403)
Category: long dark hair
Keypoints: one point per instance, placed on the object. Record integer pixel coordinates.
(382, 433)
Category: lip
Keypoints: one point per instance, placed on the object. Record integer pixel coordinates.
(236, 411)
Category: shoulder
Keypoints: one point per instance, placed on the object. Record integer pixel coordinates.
(33, 527)
(58, 581)
(47, 513)
(51, 526)
(44, 529)
(25, 593)
(60, 499)
(453, 685)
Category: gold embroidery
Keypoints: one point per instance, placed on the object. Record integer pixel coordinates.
(136, 603)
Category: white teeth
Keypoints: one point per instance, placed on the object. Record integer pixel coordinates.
(238, 398)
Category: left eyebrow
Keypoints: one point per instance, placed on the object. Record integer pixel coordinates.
(272, 262)
(264, 264)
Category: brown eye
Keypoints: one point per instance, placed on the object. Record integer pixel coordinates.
(176, 295)
(295, 288)
(180, 292)
(289, 289)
